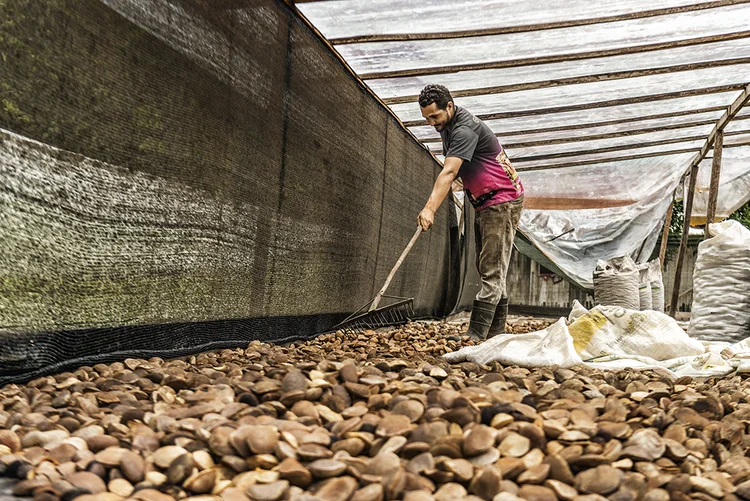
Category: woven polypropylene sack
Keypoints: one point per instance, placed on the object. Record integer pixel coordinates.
(616, 283)
(644, 288)
(657, 285)
(721, 285)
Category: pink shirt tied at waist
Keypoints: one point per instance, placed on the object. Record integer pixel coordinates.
(486, 168)
(496, 175)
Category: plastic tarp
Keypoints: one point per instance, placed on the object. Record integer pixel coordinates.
(576, 239)
(586, 93)
(353, 17)
(528, 75)
(734, 183)
(403, 55)
(608, 337)
(602, 107)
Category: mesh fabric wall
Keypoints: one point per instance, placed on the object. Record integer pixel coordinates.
(187, 174)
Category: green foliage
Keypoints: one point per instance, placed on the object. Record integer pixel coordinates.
(742, 215)
(678, 219)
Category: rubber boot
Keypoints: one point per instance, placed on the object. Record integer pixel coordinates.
(481, 319)
(498, 322)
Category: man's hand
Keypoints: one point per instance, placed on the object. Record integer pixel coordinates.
(441, 188)
(426, 218)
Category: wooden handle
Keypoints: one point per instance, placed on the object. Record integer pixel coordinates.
(377, 299)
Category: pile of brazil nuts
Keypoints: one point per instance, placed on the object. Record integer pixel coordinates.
(372, 416)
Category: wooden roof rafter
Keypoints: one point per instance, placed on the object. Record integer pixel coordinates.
(582, 163)
(599, 77)
(609, 135)
(732, 111)
(600, 104)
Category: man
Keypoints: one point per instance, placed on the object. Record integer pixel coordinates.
(492, 186)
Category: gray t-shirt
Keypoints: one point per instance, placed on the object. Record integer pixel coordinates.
(469, 139)
(486, 170)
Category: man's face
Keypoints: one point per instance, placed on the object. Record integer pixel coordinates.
(436, 117)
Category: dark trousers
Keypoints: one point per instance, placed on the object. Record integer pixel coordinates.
(495, 228)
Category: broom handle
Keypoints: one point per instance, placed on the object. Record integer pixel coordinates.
(377, 299)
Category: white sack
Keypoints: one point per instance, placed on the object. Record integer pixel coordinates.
(644, 287)
(721, 285)
(657, 285)
(612, 338)
(616, 283)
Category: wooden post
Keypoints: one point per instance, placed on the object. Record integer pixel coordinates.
(665, 234)
(683, 241)
(713, 192)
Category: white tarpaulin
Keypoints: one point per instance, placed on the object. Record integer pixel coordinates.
(576, 239)
(612, 338)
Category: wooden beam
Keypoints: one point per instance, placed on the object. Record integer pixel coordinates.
(683, 293)
(683, 241)
(574, 140)
(566, 203)
(606, 149)
(633, 132)
(728, 115)
(605, 123)
(713, 191)
(600, 104)
(620, 158)
(611, 135)
(732, 110)
(605, 160)
(558, 82)
(557, 58)
(397, 37)
(606, 135)
(665, 234)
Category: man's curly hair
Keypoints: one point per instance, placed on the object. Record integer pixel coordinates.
(437, 94)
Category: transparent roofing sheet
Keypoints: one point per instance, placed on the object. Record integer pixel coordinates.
(576, 240)
(592, 149)
(735, 162)
(621, 129)
(623, 180)
(621, 112)
(346, 18)
(523, 162)
(593, 92)
(687, 134)
(374, 57)
(741, 139)
(738, 123)
(478, 79)
(734, 183)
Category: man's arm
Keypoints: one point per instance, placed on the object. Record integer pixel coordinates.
(442, 187)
